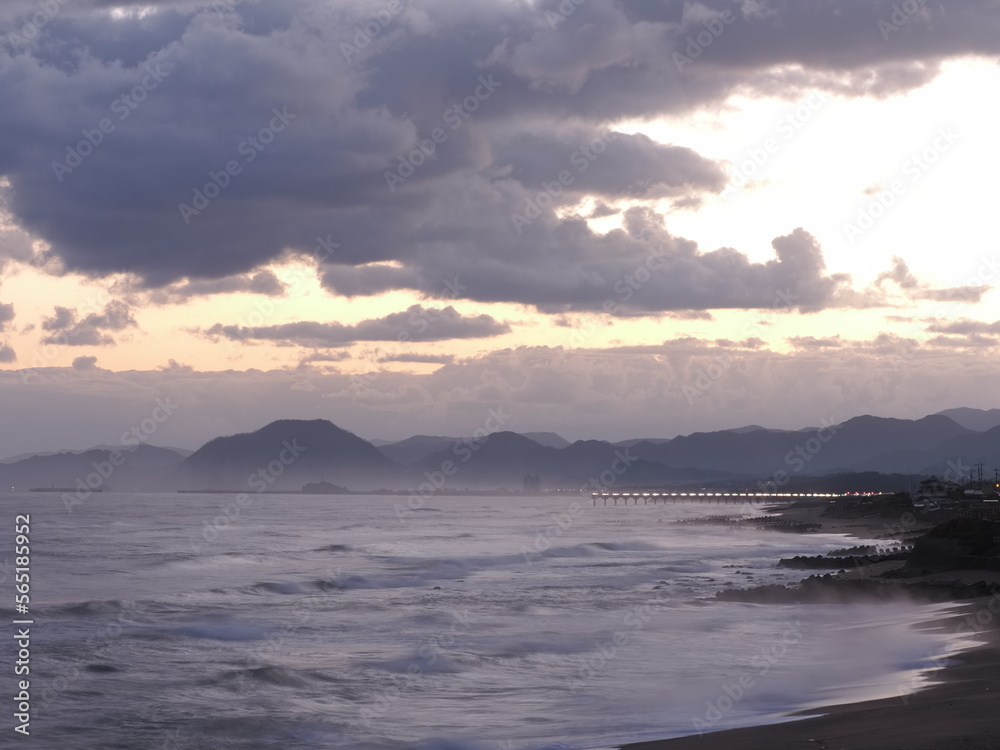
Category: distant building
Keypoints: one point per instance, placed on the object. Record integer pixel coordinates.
(532, 483)
(934, 493)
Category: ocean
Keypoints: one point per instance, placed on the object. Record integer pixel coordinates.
(499, 623)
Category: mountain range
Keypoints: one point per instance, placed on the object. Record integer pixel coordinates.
(286, 454)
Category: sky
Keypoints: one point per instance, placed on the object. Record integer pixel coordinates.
(603, 218)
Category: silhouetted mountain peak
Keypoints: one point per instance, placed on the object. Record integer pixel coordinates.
(979, 420)
(551, 439)
(298, 451)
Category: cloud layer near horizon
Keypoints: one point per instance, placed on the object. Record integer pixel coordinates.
(676, 387)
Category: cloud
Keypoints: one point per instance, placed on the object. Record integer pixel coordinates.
(6, 353)
(67, 330)
(964, 327)
(62, 319)
(813, 343)
(175, 366)
(639, 269)
(416, 323)
(969, 341)
(588, 393)
(431, 359)
(335, 356)
(84, 363)
(6, 315)
(967, 294)
(611, 165)
(210, 81)
(264, 282)
(901, 275)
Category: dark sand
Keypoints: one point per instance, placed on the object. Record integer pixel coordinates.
(960, 712)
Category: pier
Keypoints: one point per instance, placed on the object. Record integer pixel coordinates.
(722, 498)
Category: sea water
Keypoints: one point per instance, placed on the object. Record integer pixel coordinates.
(289, 621)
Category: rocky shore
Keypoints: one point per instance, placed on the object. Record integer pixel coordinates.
(956, 559)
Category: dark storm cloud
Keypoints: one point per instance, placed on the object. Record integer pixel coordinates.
(279, 122)
(416, 323)
(641, 268)
(66, 330)
(613, 165)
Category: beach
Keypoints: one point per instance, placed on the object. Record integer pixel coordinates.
(956, 712)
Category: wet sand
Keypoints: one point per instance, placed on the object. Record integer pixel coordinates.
(961, 711)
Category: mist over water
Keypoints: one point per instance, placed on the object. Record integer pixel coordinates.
(504, 623)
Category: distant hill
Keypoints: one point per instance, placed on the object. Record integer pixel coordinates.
(551, 439)
(635, 441)
(415, 448)
(126, 469)
(979, 420)
(754, 428)
(504, 458)
(285, 455)
(858, 443)
(418, 447)
(288, 454)
(953, 458)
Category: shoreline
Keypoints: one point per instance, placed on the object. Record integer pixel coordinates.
(955, 712)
